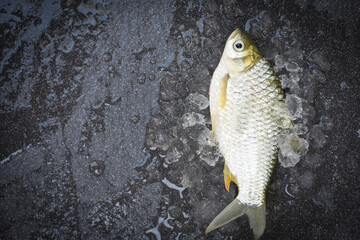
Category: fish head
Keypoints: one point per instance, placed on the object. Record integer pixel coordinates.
(240, 53)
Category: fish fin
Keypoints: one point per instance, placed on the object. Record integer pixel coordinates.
(257, 220)
(234, 210)
(227, 177)
(223, 89)
(217, 98)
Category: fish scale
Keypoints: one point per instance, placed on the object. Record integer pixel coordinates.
(248, 113)
(252, 156)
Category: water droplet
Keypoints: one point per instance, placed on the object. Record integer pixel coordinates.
(106, 36)
(97, 167)
(135, 118)
(142, 78)
(111, 69)
(67, 45)
(151, 77)
(107, 57)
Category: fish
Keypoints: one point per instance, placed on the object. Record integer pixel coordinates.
(248, 114)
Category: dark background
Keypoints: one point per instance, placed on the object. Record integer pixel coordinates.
(104, 118)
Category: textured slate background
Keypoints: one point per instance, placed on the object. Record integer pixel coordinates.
(104, 118)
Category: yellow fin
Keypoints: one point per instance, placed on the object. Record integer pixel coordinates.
(227, 177)
(217, 95)
(223, 88)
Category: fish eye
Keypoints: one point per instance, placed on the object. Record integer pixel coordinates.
(239, 46)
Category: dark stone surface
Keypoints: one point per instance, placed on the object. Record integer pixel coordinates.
(104, 118)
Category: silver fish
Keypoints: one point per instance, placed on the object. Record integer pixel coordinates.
(248, 112)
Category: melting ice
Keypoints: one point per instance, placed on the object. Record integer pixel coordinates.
(173, 186)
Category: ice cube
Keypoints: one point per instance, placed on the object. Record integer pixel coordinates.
(291, 148)
(290, 82)
(280, 61)
(207, 151)
(301, 128)
(209, 154)
(292, 67)
(200, 100)
(289, 160)
(294, 104)
(158, 139)
(191, 119)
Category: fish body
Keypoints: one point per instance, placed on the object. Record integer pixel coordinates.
(248, 112)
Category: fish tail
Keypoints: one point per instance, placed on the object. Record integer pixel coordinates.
(236, 209)
(257, 220)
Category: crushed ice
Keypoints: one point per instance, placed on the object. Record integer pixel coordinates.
(191, 119)
(200, 100)
(299, 76)
(291, 148)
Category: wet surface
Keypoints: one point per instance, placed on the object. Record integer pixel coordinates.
(105, 118)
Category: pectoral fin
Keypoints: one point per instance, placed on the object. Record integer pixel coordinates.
(217, 96)
(223, 88)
